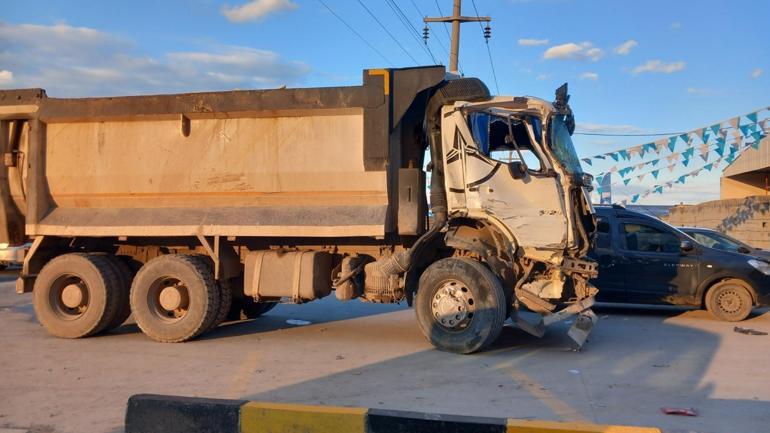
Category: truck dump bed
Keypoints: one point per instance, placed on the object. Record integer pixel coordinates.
(286, 162)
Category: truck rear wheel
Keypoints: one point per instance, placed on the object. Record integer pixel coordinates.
(460, 305)
(123, 290)
(729, 300)
(76, 295)
(174, 298)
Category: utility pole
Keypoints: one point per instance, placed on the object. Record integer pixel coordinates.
(456, 19)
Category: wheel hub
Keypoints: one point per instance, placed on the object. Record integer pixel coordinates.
(72, 295)
(730, 302)
(170, 298)
(452, 305)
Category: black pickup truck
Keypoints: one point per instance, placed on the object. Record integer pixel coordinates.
(644, 260)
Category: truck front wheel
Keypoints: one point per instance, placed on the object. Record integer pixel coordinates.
(460, 305)
(174, 298)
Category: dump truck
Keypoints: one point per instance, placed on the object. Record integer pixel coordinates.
(187, 210)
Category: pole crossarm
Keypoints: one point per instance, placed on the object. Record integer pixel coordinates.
(460, 19)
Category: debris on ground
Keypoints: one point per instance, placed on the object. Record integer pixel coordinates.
(298, 322)
(679, 411)
(661, 365)
(574, 371)
(748, 331)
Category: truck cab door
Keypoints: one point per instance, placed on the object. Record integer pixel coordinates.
(655, 269)
(492, 181)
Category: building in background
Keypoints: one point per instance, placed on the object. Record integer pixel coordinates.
(749, 174)
(744, 208)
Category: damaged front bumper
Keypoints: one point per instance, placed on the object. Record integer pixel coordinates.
(585, 319)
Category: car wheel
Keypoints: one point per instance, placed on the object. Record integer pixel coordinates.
(460, 305)
(729, 300)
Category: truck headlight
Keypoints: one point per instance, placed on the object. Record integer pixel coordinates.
(761, 266)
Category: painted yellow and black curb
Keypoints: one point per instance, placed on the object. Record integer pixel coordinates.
(149, 413)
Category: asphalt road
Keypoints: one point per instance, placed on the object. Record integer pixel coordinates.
(637, 360)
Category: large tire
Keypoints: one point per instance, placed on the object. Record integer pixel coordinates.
(76, 295)
(225, 302)
(125, 276)
(729, 300)
(460, 305)
(174, 298)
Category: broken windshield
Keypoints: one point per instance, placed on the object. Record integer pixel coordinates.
(561, 144)
(493, 139)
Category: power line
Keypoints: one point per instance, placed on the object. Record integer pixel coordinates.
(388, 32)
(409, 27)
(441, 44)
(489, 50)
(628, 135)
(355, 32)
(449, 38)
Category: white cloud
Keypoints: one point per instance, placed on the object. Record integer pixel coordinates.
(676, 25)
(756, 73)
(543, 77)
(78, 61)
(603, 128)
(625, 48)
(573, 51)
(533, 42)
(589, 76)
(659, 66)
(699, 91)
(6, 77)
(255, 10)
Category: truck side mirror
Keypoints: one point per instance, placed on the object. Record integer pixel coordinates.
(686, 246)
(518, 169)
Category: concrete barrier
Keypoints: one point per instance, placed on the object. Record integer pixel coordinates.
(149, 413)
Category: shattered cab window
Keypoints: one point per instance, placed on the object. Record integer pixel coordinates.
(492, 137)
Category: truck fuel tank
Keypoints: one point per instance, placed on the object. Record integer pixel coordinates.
(300, 275)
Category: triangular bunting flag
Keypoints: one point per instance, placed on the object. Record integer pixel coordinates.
(687, 154)
(709, 166)
(685, 162)
(672, 143)
(671, 167)
(640, 177)
(655, 173)
(634, 198)
(685, 138)
(600, 157)
(704, 135)
(715, 128)
(660, 144)
(626, 181)
(745, 130)
(735, 122)
(614, 155)
(659, 189)
(655, 162)
(752, 117)
(681, 178)
(587, 161)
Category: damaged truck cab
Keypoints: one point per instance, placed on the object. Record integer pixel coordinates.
(188, 210)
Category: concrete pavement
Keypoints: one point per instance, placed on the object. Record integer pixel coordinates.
(637, 360)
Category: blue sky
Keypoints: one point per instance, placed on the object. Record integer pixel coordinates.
(685, 64)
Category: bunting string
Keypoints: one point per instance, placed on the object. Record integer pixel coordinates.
(755, 128)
